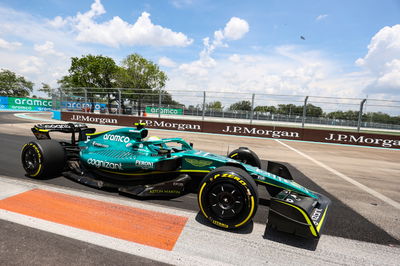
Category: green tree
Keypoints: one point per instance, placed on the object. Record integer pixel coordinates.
(265, 109)
(46, 89)
(313, 111)
(142, 80)
(240, 106)
(140, 73)
(92, 71)
(216, 105)
(12, 84)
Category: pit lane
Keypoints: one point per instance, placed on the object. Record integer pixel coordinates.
(354, 214)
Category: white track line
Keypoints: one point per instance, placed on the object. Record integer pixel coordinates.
(348, 179)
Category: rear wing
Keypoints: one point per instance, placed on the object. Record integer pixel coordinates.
(42, 131)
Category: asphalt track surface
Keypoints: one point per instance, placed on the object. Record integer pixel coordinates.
(367, 220)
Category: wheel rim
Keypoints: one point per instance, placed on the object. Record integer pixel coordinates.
(226, 200)
(30, 160)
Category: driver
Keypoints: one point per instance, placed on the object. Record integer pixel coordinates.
(157, 146)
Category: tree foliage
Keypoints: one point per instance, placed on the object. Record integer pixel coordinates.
(216, 105)
(12, 84)
(46, 89)
(240, 106)
(90, 71)
(139, 73)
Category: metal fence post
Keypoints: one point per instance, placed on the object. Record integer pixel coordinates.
(360, 114)
(120, 102)
(304, 112)
(204, 104)
(159, 103)
(252, 108)
(61, 98)
(86, 102)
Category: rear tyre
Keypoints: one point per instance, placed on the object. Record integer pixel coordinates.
(246, 156)
(43, 158)
(228, 197)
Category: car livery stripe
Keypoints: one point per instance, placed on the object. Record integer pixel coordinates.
(287, 188)
(312, 228)
(156, 172)
(97, 133)
(194, 171)
(322, 220)
(141, 226)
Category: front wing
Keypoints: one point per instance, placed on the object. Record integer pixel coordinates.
(302, 216)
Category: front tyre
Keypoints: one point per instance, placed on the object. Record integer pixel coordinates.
(246, 156)
(43, 158)
(228, 197)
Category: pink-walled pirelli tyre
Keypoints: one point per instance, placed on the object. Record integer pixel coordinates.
(43, 158)
(228, 197)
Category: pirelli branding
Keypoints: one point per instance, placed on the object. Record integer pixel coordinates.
(260, 131)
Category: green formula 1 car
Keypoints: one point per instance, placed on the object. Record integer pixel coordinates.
(126, 160)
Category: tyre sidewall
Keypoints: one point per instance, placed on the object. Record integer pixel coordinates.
(244, 154)
(34, 173)
(51, 158)
(242, 181)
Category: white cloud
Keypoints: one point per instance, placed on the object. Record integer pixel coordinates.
(285, 70)
(47, 49)
(166, 62)
(181, 3)
(234, 58)
(9, 45)
(117, 32)
(31, 65)
(235, 29)
(383, 61)
(58, 22)
(321, 17)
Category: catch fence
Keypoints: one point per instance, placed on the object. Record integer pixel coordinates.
(252, 108)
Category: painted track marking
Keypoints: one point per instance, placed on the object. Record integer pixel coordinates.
(145, 227)
(348, 179)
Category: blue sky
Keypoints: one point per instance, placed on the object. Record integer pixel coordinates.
(350, 48)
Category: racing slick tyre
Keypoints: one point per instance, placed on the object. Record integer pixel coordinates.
(228, 197)
(43, 158)
(246, 156)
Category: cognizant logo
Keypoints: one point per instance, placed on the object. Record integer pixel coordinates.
(104, 164)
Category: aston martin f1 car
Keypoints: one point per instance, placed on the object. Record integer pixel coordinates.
(126, 160)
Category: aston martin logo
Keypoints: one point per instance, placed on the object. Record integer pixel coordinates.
(198, 163)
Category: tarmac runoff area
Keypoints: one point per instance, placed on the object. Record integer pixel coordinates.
(58, 223)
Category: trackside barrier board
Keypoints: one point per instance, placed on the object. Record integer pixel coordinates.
(261, 131)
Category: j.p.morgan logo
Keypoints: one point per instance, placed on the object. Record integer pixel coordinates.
(260, 132)
(171, 125)
(118, 138)
(351, 139)
(95, 120)
(104, 164)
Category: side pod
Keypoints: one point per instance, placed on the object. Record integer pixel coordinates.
(302, 216)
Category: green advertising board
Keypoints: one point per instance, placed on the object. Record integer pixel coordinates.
(29, 104)
(164, 111)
